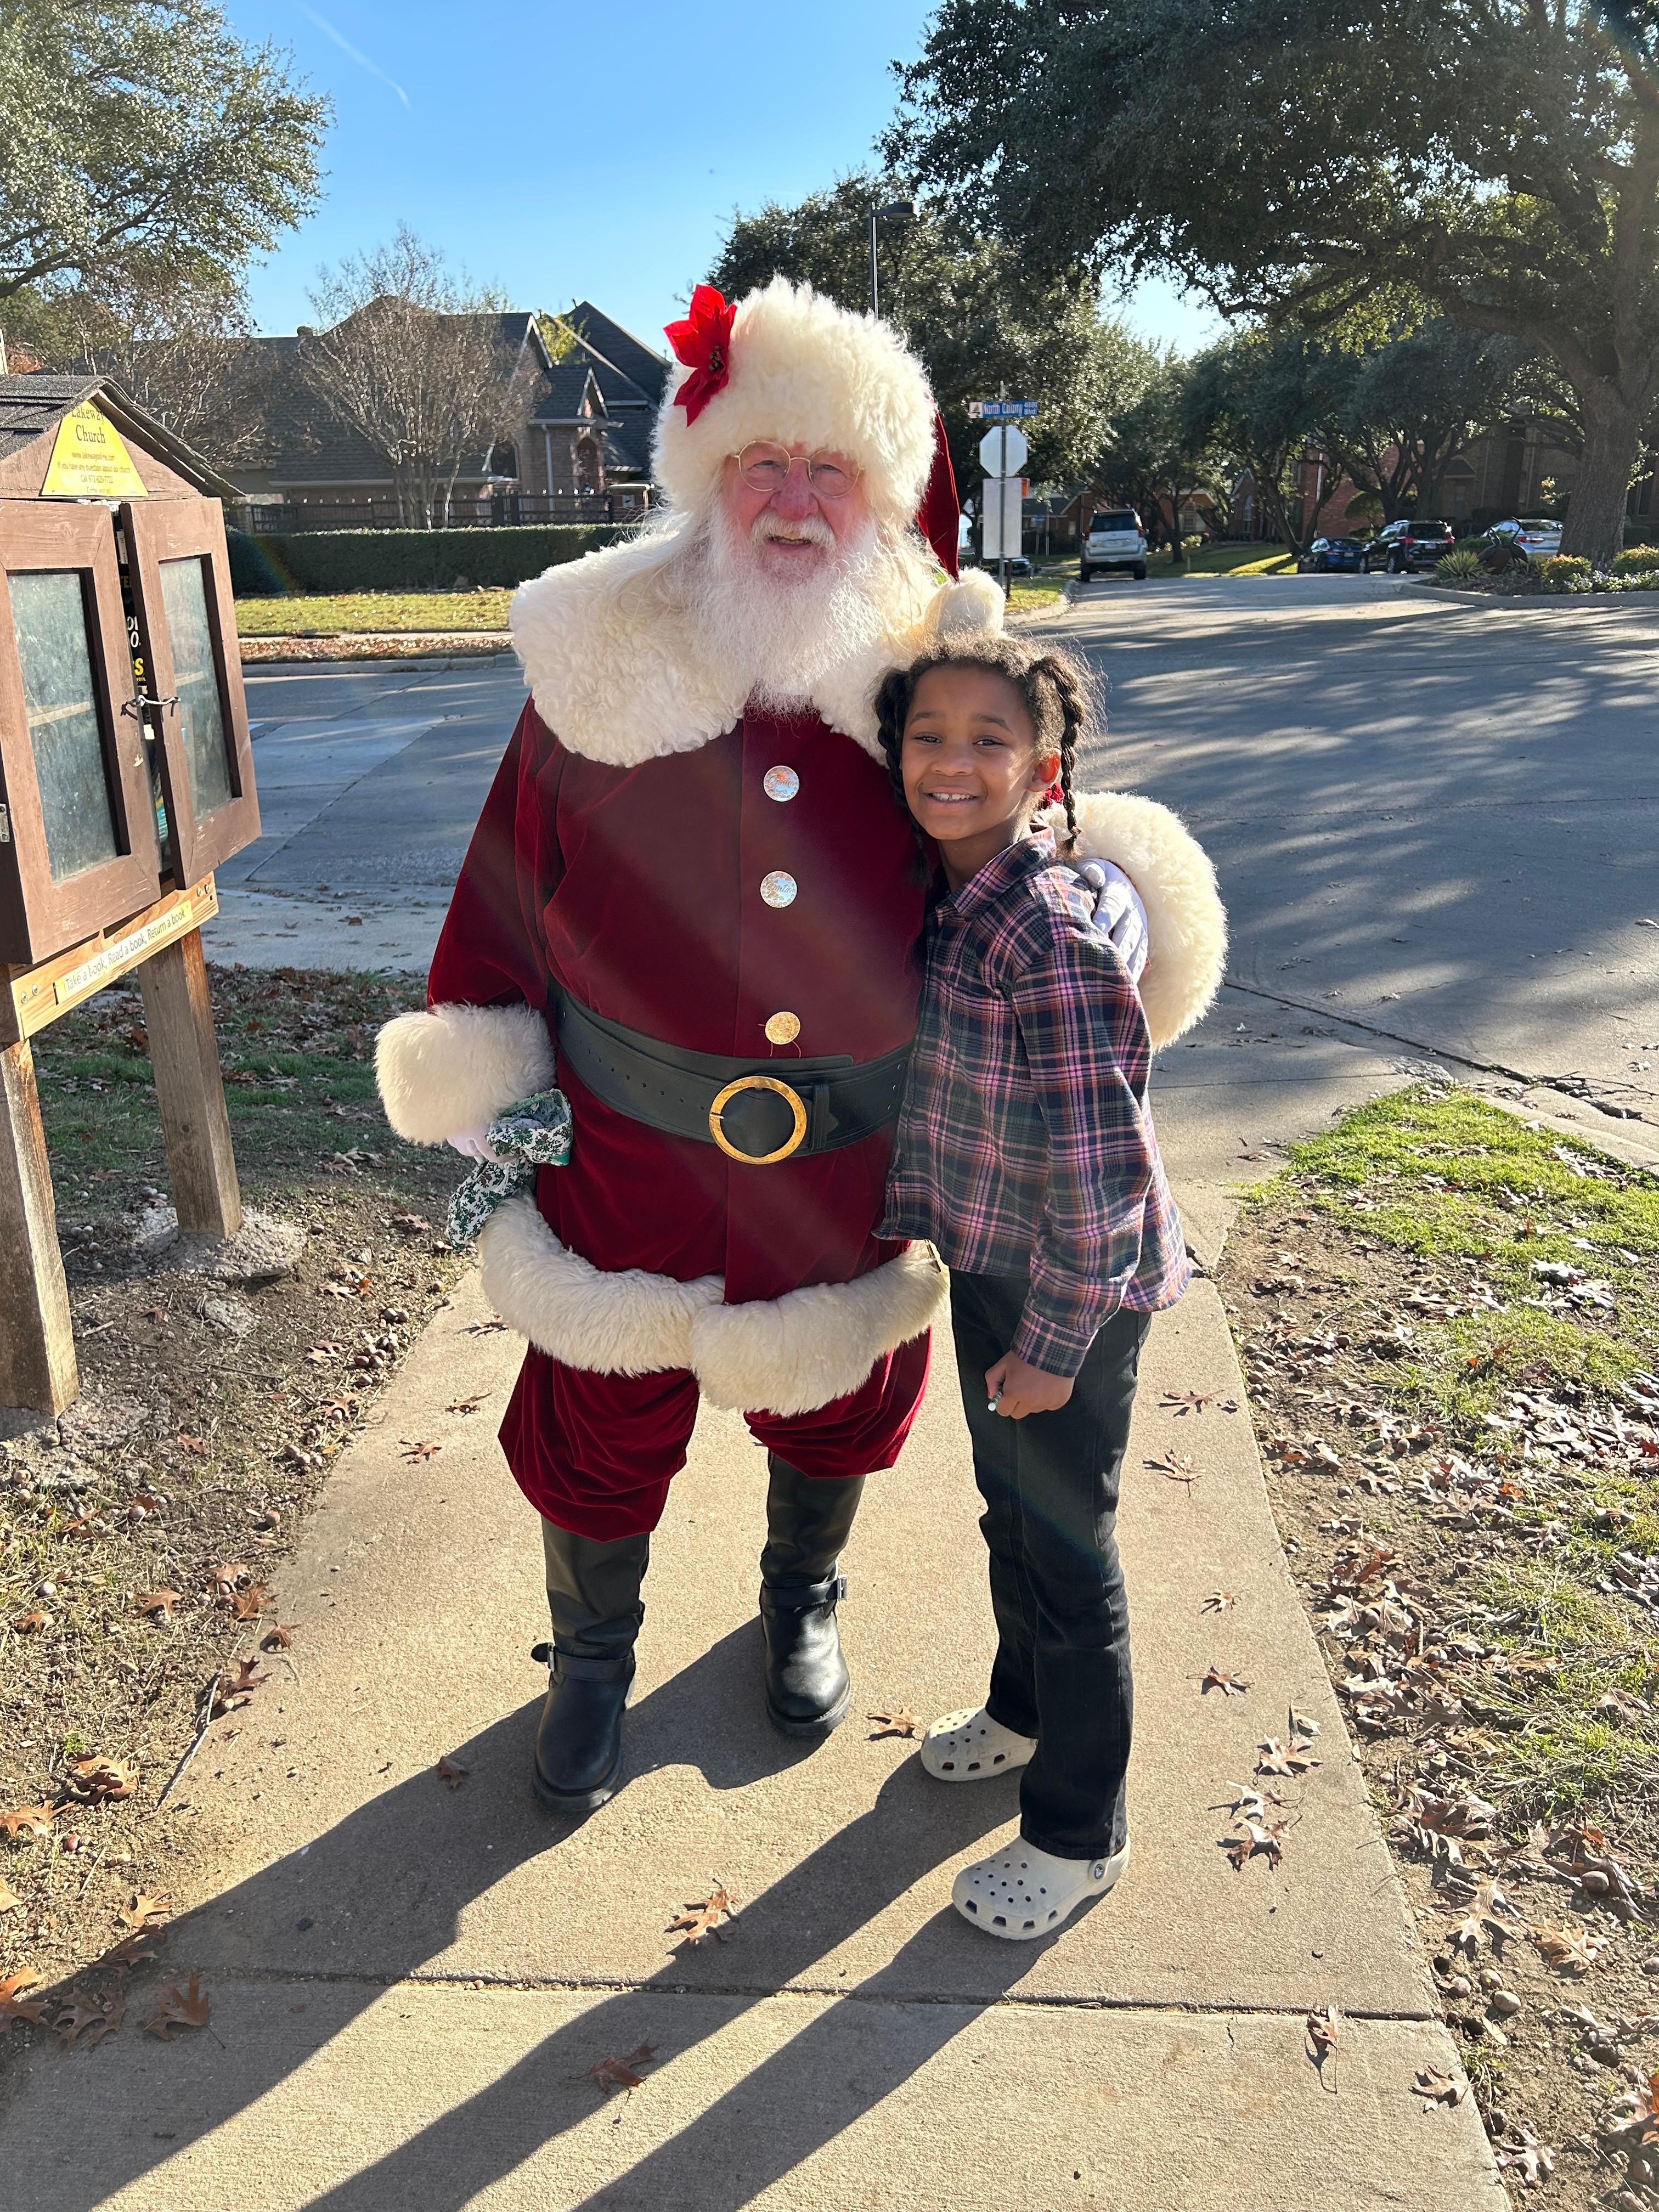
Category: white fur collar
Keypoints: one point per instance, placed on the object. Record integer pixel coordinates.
(619, 675)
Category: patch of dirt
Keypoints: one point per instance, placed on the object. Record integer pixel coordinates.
(142, 1535)
(1489, 1620)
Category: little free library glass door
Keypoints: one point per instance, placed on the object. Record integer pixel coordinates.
(77, 821)
(180, 579)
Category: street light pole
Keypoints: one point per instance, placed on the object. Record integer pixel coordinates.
(892, 207)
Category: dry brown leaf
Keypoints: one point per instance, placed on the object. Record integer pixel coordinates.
(279, 1636)
(702, 1917)
(249, 1604)
(188, 2008)
(1438, 2087)
(1489, 1909)
(10, 1900)
(229, 1578)
(13, 2006)
(105, 1778)
(619, 2073)
(31, 1624)
(1323, 2025)
(426, 1448)
(1295, 1756)
(467, 1405)
(1230, 1685)
(1532, 2161)
(192, 1444)
(1570, 1950)
(1176, 1466)
(28, 1821)
(125, 1955)
(143, 1910)
(158, 1600)
(448, 1772)
(1185, 1401)
(93, 2017)
(1261, 1838)
(1218, 1601)
(901, 1722)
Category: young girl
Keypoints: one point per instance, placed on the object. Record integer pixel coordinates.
(1025, 1153)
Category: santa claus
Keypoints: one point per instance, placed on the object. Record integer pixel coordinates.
(693, 904)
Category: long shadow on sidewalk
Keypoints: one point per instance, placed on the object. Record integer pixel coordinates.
(413, 1861)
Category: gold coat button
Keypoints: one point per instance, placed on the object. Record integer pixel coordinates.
(779, 888)
(782, 1029)
(781, 783)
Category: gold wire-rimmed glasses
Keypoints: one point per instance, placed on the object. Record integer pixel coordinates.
(765, 466)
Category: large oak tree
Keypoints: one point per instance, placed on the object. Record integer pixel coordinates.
(143, 134)
(1498, 158)
(977, 318)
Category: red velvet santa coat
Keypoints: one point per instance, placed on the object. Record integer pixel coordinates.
(638, 891)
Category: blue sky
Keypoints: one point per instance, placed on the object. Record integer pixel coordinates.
(597, 152)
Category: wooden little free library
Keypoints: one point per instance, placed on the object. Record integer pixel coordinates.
(126, 777)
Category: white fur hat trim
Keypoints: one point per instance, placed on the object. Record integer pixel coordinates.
(806, 372)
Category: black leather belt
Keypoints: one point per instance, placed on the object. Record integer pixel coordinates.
(759, 1111)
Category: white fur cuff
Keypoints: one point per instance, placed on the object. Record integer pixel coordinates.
(457, 1068)
(1187, 922)
(786, 1355)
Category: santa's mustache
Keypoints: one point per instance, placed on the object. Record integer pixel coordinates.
(807, 530)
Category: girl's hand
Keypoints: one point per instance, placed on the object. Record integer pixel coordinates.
(1014, 1389)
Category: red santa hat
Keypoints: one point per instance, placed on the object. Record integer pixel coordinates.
(785, 363)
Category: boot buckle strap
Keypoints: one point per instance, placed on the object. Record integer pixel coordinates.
(586, 1667)
(803, 1596)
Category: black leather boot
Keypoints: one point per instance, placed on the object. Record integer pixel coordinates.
(593, 1596)
(808, 1519)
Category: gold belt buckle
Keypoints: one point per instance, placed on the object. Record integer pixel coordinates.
(797, 1136)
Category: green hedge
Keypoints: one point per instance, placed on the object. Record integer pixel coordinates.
(425, 560)
(252, 574)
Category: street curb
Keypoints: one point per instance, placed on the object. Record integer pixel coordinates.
(448, 657)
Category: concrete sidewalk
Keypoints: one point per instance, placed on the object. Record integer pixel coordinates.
(411, 1984)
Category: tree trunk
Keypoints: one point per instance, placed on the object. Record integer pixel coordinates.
(1596, 508)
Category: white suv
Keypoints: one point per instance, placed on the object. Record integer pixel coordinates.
(1115, 540)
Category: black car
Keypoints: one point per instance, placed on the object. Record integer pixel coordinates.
(1328, 554)
(1400, 546)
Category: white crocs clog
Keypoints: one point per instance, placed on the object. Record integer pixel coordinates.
(971, 1747)
(1025, 1892)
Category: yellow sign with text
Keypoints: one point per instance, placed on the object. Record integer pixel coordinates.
(88, 461)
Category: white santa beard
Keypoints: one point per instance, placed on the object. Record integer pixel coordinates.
(779, 635)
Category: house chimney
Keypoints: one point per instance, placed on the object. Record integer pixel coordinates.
(305, 330)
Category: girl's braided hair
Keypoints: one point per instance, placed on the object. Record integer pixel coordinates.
(1057, 687)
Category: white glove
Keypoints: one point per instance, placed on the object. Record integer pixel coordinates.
(475, 1143)
(1119, 912)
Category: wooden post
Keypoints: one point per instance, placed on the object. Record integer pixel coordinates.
(36, 1342)
(184, 1056)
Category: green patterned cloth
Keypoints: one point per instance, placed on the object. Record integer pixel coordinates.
(534, 1133)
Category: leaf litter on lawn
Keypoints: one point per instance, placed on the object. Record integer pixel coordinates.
(1461, 1452)
(162, 1506)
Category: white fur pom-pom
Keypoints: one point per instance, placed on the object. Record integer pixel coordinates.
(972, 606)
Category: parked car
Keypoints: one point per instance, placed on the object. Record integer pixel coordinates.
(1115, 540)
(1325, 554)
(1536, 541)
(1406, 545)
(1017, 564)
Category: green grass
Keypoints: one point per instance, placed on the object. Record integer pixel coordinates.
(1251, 560)
(1446, 1177)
(342, 611)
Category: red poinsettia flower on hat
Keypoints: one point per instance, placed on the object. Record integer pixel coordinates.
(703, 343)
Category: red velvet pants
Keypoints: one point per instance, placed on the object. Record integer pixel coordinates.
(595, 1454)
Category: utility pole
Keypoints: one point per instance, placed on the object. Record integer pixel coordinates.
(891, 207)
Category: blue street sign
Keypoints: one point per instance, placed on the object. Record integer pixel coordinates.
(999, 410)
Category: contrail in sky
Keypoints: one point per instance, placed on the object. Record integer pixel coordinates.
(346, 47)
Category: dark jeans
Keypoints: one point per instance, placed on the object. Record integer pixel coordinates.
(1050, 1484)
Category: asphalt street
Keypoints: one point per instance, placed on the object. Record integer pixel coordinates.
(1435, 822)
